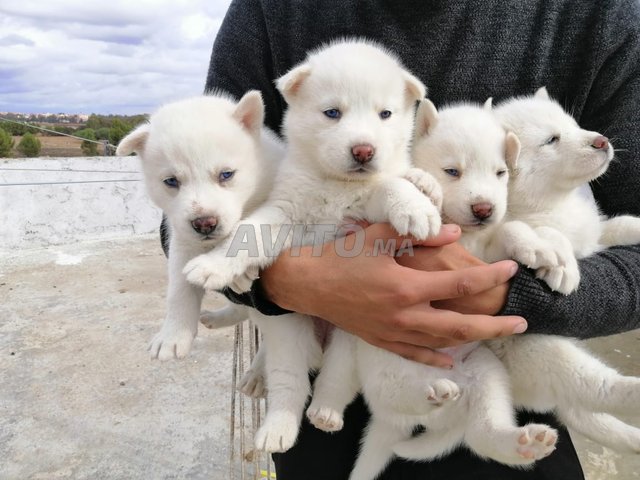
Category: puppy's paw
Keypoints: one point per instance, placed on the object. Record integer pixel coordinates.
(325, 418)
(427, 184)
(442, 391)
(537, 255)
(418, 218)
(171, 343)
(253, 384)
(210, 271)
(564, 279)
(278, 433)
(570, 279)
(243, 282)
(536, 441)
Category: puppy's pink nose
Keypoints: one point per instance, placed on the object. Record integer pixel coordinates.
(363, 153)
(482, 211)
(600, 142)
(204, 225)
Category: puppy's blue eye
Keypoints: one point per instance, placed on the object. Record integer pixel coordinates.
(452, 171)
(171, 182)
(226, 175)
(333, 113)
(384, 114)
(552, 140)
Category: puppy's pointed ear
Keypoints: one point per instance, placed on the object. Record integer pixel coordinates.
(488, 104)
(416, 91)
(290, 82)
(134, 141)
(426, 118)
(250, 111)
(541, 93)
(512, 150)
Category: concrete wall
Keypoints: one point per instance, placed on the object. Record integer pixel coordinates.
(56, 201)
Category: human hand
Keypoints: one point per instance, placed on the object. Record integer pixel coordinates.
(452, 257)
(387, 304)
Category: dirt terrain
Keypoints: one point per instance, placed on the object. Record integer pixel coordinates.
(55, 146)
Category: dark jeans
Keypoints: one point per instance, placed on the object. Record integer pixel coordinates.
(322, 456)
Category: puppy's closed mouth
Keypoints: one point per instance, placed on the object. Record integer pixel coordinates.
(479, 224)
(209, 237)
(361, 170)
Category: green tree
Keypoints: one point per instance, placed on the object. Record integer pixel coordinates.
(29, 145)
(103, 133)
(6, 143)
(94, 122)
(63, 129)
(15, 129)
(118, 130)
(89, 148)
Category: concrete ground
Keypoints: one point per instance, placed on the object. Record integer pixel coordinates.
(80, 398)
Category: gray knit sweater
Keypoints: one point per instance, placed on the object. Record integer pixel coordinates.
(587, 53)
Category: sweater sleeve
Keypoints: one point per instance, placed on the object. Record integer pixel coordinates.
(608, 299)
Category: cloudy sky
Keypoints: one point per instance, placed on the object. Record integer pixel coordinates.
(92, 56)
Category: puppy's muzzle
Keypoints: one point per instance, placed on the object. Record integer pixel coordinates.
(205, 225)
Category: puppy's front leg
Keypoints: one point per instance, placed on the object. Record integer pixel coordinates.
(427, 184)
(518, 241)
(399, 202)
(183, 309)
(254, 244)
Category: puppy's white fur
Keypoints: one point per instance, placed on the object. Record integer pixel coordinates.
(469, 153)
(548, 372)
(197, 141)
(320, 183)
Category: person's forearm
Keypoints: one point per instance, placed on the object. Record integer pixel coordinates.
(607, 301)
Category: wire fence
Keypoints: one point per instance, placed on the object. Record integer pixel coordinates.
(109, 149)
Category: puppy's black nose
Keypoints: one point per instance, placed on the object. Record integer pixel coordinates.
(362, 153)
(482, 211)
(204, 225)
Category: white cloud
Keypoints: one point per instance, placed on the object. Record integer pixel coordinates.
(84, 56)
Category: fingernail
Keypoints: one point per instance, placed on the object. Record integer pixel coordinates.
(451, 228)
(514, 269)
(520, 328)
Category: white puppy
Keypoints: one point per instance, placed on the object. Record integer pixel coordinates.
(207, 163)
(348, 133)
(470, 154)
(547, 372)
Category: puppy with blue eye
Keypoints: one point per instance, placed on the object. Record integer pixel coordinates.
(348, 137)
(207, 162)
